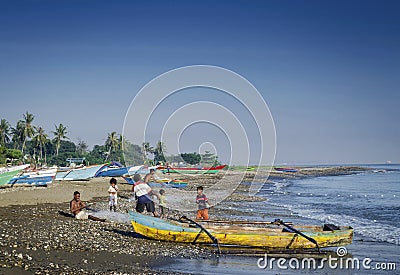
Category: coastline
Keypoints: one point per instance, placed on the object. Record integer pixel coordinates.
(35, 237)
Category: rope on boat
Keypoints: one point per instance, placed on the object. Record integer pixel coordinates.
(213, 239)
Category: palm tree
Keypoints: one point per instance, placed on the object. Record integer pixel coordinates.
(4, 132)
(159, 152)
(111, 143)
(18, 134)
(29, 130)
(146, 148)
(60, 133)
(121, 142)
(82, 147)
(40, 139)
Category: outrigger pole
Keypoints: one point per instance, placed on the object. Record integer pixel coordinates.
(214, 240)
(278, 221)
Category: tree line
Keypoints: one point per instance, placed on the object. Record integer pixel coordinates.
(27, 143)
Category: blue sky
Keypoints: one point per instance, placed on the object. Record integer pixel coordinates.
(328, 70)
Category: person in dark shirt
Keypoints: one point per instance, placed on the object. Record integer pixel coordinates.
(203, 204)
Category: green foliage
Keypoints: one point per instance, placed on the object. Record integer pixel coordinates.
(60, 159)
(174, 158)
(159, 152)
(31, 144)
(67, 147)
(191, 158)
(132, 153)
(209, 159)
(97, 155)
(2, 154)
(4, 132)
(9, 155)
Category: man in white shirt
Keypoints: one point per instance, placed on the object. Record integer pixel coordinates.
(143, 193)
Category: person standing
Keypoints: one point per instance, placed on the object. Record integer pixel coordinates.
(203, 204)
(143, 193)
(162, 203)
(113, 192)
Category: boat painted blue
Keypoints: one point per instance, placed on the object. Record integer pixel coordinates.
(116, 169)
(286, 169)
(84, 173)
(170, 184)
(32, 181)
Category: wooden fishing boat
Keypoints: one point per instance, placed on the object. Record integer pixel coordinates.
(286, 169)
(7, 173)
(14, 168)
(116, 169)
(177, 183)
(192, 170)
(42, 177)
(84, 173)
(275, 235)
(5, 177)
(161, 183)
(32, 180)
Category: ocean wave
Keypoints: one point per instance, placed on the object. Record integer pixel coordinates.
(376, 230)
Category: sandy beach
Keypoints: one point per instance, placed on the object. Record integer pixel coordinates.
(37, 236)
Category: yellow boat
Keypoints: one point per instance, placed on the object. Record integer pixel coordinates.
(275, 235)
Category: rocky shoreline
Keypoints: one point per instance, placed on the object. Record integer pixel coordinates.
(37, 236)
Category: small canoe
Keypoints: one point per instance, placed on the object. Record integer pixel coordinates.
(32, 180)
(192, 170)
(14, 168)
(286, 169)
(177, 183)
(41, 177)
(271, 236)
(161, 184)
(5, 177)
(113, 170)
(84, 173)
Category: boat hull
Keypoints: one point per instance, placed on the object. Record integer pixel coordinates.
(32, 180)
(193, 170)
(271, 238)
(117, 172)
(78, 174)
(189, 171)
(5, 177)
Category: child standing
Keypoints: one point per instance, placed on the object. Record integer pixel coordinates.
(202, 201)
(162, 203)
(113, 190)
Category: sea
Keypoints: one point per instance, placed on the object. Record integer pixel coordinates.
(369, 201)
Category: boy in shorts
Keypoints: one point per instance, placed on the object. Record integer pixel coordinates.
(203, 205)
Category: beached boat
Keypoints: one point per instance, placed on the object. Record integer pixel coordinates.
(32, 180)
(177, 183)
(14, 168)
(162, 183)
(83, 173)
(170, 184)
(41, 177)
(272, 236)
(116, 169)
(286, 169)
(5, 177)
(192, 170)
(7, 173)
